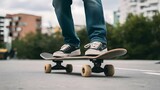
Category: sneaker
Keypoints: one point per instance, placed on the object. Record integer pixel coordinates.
(95, 48)
(67, 50)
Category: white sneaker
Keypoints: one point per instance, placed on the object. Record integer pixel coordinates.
(95, 48)
(67, 50)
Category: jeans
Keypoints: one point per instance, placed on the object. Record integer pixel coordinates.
(95, 22)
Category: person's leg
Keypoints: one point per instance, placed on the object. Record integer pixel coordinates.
(96, 26)
(64, 15)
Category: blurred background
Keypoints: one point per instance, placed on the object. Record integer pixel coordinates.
(28, 28)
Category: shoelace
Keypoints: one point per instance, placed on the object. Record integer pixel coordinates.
(64, 46)
(92, 45)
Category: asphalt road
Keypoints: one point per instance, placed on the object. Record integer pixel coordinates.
(29, 75)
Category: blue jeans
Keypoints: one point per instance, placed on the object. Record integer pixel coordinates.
(95, 22)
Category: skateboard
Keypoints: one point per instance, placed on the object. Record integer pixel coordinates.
(86, 69)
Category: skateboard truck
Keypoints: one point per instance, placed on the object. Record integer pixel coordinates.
(58, 66)
(97, 65)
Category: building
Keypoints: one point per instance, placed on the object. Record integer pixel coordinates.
(4, 30)
(23, 24)
(5, 37)
(1, 29)
(147, 8)
(17, 26)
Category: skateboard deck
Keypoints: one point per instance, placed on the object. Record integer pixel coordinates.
(107, 55)
(86, 69)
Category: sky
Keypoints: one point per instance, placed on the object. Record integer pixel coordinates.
(44, 8)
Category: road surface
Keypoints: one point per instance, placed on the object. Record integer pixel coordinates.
(29, 75)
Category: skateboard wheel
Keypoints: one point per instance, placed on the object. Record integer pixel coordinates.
(69, 68)
(109, 70)
(86, 71)
(48, 68)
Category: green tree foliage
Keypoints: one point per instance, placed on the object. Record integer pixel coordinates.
(139, 35)
(82, 34)
(114, 36)
(155, 31)
(2, 45)
(33, 44)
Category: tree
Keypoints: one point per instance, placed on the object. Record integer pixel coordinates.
(82, 34)
(155, 31)
(139, 35)
(30, 47)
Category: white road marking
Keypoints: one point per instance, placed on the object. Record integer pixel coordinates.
(151, 72)
(130, 69)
